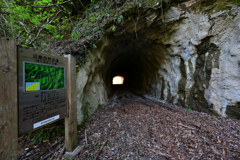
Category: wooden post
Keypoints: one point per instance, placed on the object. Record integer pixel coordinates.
(71, 120)
(8, 99)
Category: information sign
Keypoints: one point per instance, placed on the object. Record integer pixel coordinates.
(41, 89)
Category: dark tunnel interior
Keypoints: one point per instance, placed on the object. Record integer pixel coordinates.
(134, 59)
(131, 71)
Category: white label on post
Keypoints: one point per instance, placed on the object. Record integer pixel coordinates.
(46, 121)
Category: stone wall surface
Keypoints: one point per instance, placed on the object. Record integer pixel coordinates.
(192, 59)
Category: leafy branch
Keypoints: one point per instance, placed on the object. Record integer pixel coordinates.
(7, 4)
(46, 6)
(30, 24)
(41, 28)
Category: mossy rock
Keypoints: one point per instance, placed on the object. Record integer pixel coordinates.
(85, 114)
(233, 111)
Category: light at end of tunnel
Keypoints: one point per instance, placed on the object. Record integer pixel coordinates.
(117, 80)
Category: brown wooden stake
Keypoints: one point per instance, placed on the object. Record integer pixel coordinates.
(71, 120)
(8, 99)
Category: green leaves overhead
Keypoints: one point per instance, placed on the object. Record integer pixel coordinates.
(96, 17)
(33, 21)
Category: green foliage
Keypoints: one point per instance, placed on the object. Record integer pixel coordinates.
(89, 27)
(94, 2)
(58, 37)
(80, 58)
(100, 14)
(113, 28)
(118, 19)
(95, 144)
(94, 46)
(100, 106)
(47, 133)
(189, 109)
(99, 17)
(165, 105)
(42, 27)
(231, 15)
(31, 25)
(75, 35)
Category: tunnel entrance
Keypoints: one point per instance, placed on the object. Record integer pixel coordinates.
(171, 60)
(134, 59)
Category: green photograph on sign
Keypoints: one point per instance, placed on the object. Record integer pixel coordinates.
(40, 77)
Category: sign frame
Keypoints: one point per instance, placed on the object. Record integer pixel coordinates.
(9, 100)
(37, 107)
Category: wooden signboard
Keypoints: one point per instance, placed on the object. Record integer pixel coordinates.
(14, 86)
(42, 89)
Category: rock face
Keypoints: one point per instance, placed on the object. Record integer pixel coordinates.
(183, 57)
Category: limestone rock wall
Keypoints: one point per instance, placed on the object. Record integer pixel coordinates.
(91, 90)
(208, 58)
(189, 59)
(224, 88)
(202, 68)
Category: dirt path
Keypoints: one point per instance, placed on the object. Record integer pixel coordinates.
(133, 126)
